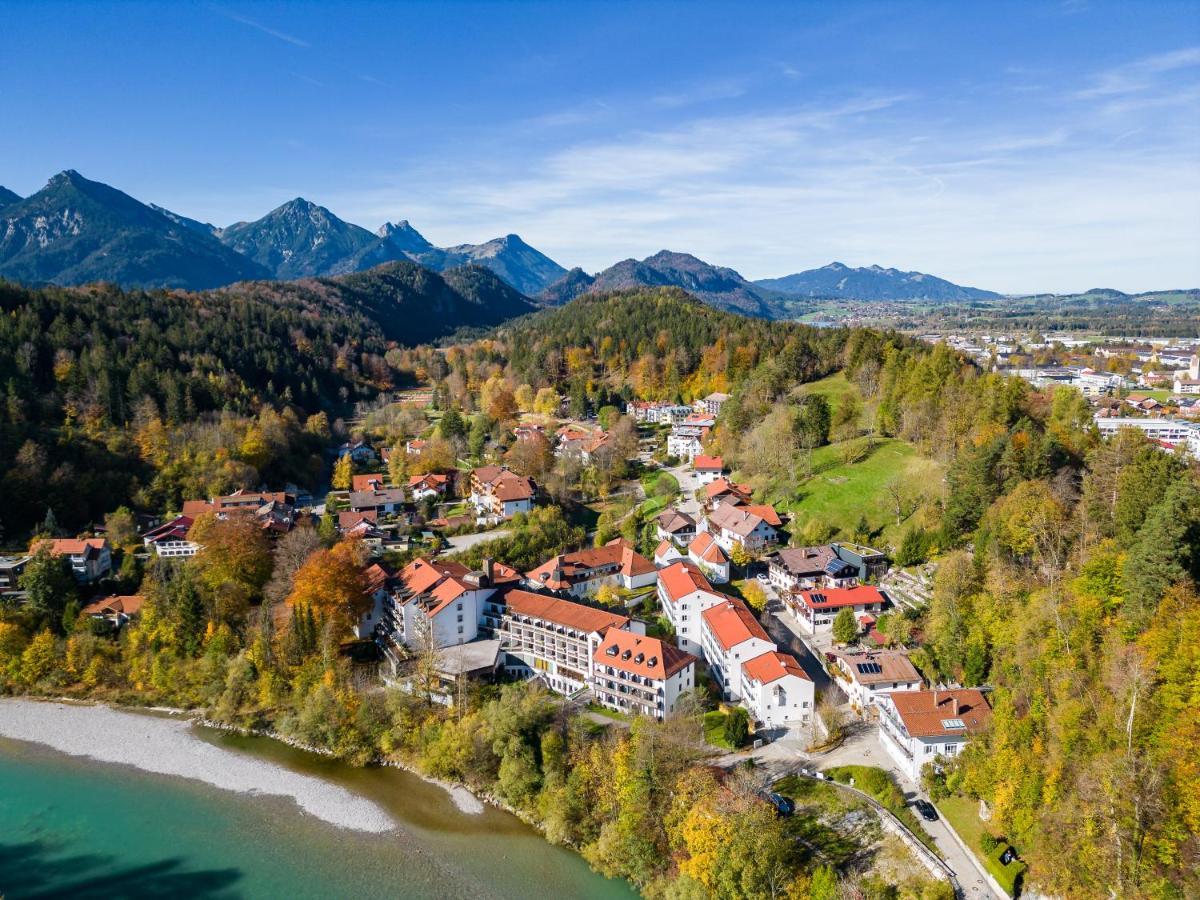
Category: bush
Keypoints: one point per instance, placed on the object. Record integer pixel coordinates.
(737, 727)
(988, 843)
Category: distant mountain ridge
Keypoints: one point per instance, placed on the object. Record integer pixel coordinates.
(75, 231)
(717, 286)
(838, 280)
(7, 197)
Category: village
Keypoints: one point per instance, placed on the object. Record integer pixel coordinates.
(710, 603)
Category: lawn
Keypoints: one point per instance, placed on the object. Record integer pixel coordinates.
(834, 389)
(840, 494)
(962, 813)
(714, 729)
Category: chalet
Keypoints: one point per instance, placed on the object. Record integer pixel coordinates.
(554, 640)
(498, 494)
(721, 489)
(583, 572)
(870, 674)
(429, 486)
(708, 468)
(358, 451)
(731, 636)
(706, 553)
(580, 443)
(386, 501)
(754, 527)
(816, 609)
(919, 727)
(115, 610)
(776, 691)
(362, 483)
(90, 558)
(673, 525)
(641, 675)
(684, 594)
(171, 540)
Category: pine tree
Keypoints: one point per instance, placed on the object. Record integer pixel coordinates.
(845, 626)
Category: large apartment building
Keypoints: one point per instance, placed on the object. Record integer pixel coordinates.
(730, 637)
(554, 640)
(685, 593)
(642, 675)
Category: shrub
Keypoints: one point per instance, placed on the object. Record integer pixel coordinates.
(737, 727)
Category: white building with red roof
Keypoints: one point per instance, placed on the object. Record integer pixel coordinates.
(437, 603)
(171, 538)
(708, 468)
(872, 674)
(499, 494)
(919, 727)
(666, 553)
(685, 593)
(776, 691)
(641, 675)
(706, 553)
(731, 636)
(754, 527)
(554, 640)
(431, 485)
(816, 609)
(90, 558)
(583, 572)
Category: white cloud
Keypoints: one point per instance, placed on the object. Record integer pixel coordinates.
(1139, 75)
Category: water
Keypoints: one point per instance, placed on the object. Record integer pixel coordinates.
(75, 827)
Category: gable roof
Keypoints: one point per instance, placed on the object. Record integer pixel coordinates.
(128, 605)
(722, 486)
(834, 598)
(86, 547)
(682, 578)
(709, 463)
(562, 612)
(804, 561)
(704, 546)
(421, 575)
(738, 519)
(361, 483)
(641, 655)
(939, 713)
(175, 530)
(566, 569)
(673, 521)
(771, 666)
(732, 623)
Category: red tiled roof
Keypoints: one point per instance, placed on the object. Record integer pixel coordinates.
(708, 463)
(71, 546)
(129, 605)
(771, 666)
(834, 598)
(681, 578)
(766, 512)
(176, 530)
(576, 567)
(926, 713)
(362, 483)
(732, 623)
(562, 612)
(647, 656)
(420, 575)
(706, 548)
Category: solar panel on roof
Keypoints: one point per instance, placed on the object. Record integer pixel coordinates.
(870, 668)
(836, 567)
(818, 598)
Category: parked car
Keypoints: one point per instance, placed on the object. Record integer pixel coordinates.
(784, 806)
(925, 808)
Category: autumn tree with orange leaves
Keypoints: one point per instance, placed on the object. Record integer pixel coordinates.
(331, 583)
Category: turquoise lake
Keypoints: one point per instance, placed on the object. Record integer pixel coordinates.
(73, 827)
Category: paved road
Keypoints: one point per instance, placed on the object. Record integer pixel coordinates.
(466, 541)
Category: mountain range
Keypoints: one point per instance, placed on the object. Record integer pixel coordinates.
(840, 281)
(75, 231)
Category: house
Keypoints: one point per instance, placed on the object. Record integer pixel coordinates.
(170, 540)
(11, 570)
(275, 511)
(348, 520)
(582, 573)
(817, 608)
(499, 494)
(826, 565)
(358, 451)
(90, 558)
(673, 525)
(429, 486)
(754, 527)
(666, 553)
(386, 501)
(641, 675)
(919, 727)
(528, 432)
(554, 640)
(415, 447)
(708, 468)
(712, 403)
(869, 674)
(686, 440)
(379, 582)
(115, 610)
(721, 489)
(706, 553)
(580, 443)
(685, 593)
(657, 412)
(776, 691)
(731, 635)
(360, 484)
(436, 603)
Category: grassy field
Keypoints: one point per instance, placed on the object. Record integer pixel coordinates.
(714, 729)
(841, 494)
(963, 816)
(834, 389)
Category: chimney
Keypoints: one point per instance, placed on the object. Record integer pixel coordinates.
(488, 569)
(954, 697)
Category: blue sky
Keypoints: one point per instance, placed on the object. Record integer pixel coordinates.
(1014, 146)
